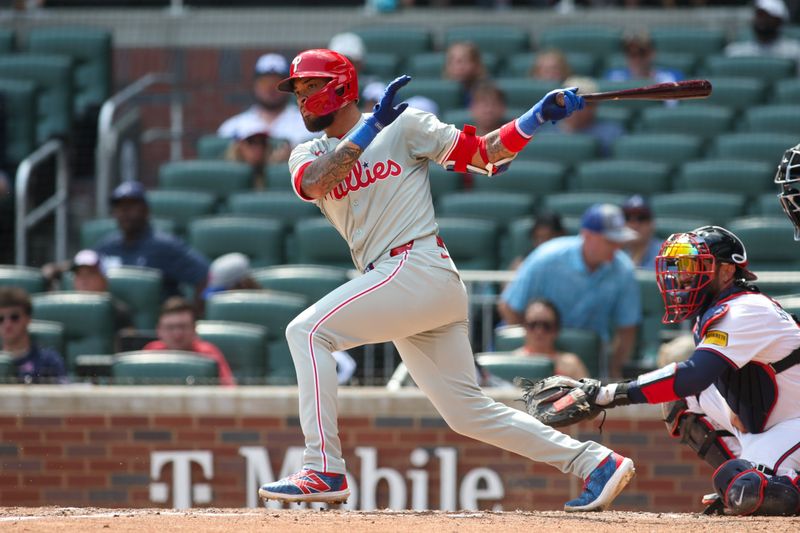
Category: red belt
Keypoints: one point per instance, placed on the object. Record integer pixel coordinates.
(404, 248)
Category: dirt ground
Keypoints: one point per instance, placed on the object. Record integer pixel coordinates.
(69, 519)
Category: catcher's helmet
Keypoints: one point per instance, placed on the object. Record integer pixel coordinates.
(322, 63)
(788, 178)
(686, 265)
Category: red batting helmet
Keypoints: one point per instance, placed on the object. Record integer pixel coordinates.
(323, 63)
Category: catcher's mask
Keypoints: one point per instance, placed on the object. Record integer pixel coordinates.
(788, 178)
(341, 88)
(686, 265)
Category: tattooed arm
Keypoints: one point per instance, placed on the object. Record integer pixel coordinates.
(494, 149)
(325, 173)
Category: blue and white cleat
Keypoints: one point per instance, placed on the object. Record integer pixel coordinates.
(603, 484)
(307, 486)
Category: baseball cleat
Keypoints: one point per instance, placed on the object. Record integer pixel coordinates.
(307, 486)
(603, 484)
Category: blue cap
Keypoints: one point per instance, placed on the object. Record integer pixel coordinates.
(128, 190)
(607, 220)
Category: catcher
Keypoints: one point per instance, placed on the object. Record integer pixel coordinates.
(736, 400)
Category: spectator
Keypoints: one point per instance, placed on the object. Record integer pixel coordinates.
(551, 65)
(463, 64)
(584, 122)
(588, 278)
(251, 145)
(639, 56)
(487, 107)
(639, 217)
(546, 226)
(768, 19)
(137, 243)
(33, 363)
(230, 272)
(176, 331)
(542, 325)
(370, 95)
(280, 119)
(351, 46)
(89, 272)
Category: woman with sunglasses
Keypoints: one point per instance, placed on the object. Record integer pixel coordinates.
(542, 325)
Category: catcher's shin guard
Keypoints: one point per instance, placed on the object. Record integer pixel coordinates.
(697, 432)
(746, 490)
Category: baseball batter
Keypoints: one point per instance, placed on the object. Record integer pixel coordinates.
(368, 174)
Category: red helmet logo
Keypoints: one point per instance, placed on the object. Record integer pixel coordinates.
(322, 63)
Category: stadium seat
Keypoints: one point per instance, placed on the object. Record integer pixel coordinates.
(284, 206)
(220, 178)
(773, 119)
(687, 39)
(53, 75)
(705, 121)
(20, 109)
(431, 64)
(584, 343)
(533, 178)
(163, 367)
(278, 177)
(566, 149)
(28, 278)
(518, 240)
(768, 241)
(508, 338)
(88, 320)
(787, 91)
(719, 207)
(444, 181)
(95, 230)
(524, 92)
(575, 203)
(765, 68)
(271, 309)
(382, 65)
(737, 93)
(243, 345)
(507, 366)
(90, 48)
(597, 40)
(212, 147)
(140, 288)
(316, 242)
(180, 206)
(6, 41)
(667, 225)
(406, 41)
(312, 281)
(447, 94)
(670, 148)
(622, 176)
(48, 334)
(501, 207)
(766, 147)
(471, 242)
(262, 240)
(7, 369)
(501, 40)
(519, 65)
(767, 205)
(729, 175)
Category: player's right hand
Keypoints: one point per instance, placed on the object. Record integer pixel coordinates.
(385, 112)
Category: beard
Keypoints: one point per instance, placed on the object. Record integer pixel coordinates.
(314, 123)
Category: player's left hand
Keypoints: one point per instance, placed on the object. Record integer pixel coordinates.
(385, 112)
(549, 108)
(560, 401)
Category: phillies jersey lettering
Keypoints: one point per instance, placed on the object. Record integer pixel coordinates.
(359, 178)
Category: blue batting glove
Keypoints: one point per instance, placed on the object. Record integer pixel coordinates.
(547, 109)
(383, 114)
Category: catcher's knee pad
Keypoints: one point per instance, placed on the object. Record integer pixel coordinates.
(746, 490)
(697, 432)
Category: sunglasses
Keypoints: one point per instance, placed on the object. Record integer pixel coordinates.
(12, 317)
(256, 140)
(638, 218)
(546, 326)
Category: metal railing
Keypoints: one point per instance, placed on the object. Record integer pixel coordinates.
(55, 204)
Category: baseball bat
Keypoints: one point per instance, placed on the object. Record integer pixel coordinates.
(675, 90)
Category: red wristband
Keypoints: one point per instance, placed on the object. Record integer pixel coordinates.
(512, 138)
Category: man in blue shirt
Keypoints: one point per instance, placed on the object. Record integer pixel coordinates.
(136, 243)
(32, 363)
(589, 279)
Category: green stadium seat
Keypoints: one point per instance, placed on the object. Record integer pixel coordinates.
(95, 230)
(262, 240)
(431, 64)
(534, 178)
(312, 281)
(7, 369)
(773, 119)
(566, 149)
(458, 117)
(180, 206)
(620, 115)
(163, 367)
(575, 203)
(666, 225)
(705, 121)
(20, 108)
(764, 68)
(395, 39)
(766, 147)
(507, 366)
(501, 40)
(212, 147)
(444, 181)
(278, 177)
(501, 207)
(768, 243)
(669, 148)
(524, 92)
(685, 64)
(447, 94)
(90, 48)
(140, 288)
(517, 242)
(687, 39)
(471, 242)
(220, 178)
(719, 207)
(274, 311)
(737, 93)
(622, 176)
(316, 242)
(584, 343)
(88, 320)
(767, 205)
(382, 65)
(53, 75)
(284, 206)
(597, 40)
(6, 41)
(519, 65)
(48, 334)
(28, 278)
(729, 175)
(787, 91)
(243, 345)
(508, 338)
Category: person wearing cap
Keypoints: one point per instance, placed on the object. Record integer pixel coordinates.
(588, 278)
(640, 63)
(229, 272)
(272, 110)
(89, 275)
(768, 19)
(639, 217)
(251, 145)
(137, 243)
(351, 46)
(176, 331)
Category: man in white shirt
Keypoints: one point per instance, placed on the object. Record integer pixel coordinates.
(768, 18)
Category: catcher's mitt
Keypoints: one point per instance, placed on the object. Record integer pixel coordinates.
(560, 401)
